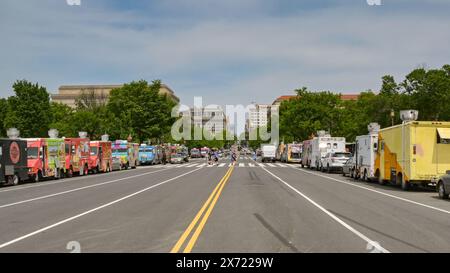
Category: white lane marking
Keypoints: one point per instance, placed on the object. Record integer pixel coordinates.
(201, 165)
(191, 165)
(65, 180)
(251, 165)
(222, 165)
(241, 165)
(91, 210)
(334, 217)
(270, 165)
(281, 165)
(380, 192)
(77, 189)
(261, 165)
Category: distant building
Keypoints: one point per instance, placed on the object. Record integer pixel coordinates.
(280, 99)
(67, 94)
(344, 97)
(258, 116)
(211, 118)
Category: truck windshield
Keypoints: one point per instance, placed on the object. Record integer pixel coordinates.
(94, 150)
(33, 153)
(120, 151)
(341, 154)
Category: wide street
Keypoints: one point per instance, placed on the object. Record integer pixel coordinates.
(249, 207)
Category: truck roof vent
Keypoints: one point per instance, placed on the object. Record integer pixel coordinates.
(322, 133)
(53, 133)
(409, 115)
(105, 137)
(13, 133)
(82, 134)
(373, 127)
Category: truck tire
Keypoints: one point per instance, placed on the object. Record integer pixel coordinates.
(328, 168)
(13, 180)
(364, 178)
(38, 177)
(70, 172)
(441, 190)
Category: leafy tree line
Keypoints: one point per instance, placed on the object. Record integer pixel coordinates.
(136, 109)
(425, 90)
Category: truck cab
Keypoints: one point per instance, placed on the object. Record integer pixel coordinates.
(100, 158)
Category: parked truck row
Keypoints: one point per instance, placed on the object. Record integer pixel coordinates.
(37, 159)
(414, 153)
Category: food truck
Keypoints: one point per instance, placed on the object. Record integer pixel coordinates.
(77, 152)
(412, 153)
(127, 152)
(45, 158)
(13, 161)
(147, 154)
(100, 159)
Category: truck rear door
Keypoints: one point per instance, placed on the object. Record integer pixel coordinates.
(443, 150)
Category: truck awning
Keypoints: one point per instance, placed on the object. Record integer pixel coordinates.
(444, 133)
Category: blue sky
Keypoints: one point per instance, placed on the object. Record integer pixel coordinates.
(229, 51)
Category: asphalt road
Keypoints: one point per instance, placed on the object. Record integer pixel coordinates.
(249, 207)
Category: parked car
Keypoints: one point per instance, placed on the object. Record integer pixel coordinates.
(349, 167)
(334, 161)
(443, 185)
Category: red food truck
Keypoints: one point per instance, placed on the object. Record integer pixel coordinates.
(100, 159)
(77, 155)
(45, 158)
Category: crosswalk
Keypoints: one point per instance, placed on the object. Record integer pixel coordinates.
(224, 165)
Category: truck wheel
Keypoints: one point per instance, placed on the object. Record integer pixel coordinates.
(69, 172)
(38, 177)
(13, 180)
(365, 176)
(441, 191)
(405, 184)
(328, 169)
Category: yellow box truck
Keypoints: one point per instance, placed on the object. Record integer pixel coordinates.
(415, 152)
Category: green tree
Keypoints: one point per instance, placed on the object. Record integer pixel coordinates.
(3, 111)
(138, 109)
(62, 119)
(29, 110)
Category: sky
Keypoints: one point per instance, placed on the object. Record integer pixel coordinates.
(228, 51)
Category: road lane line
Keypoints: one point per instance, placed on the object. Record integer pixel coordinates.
(270, 165)
(60, 181)
(241, 165)
(281, 165)
(334, 217)
(251, 165)
(3, 245)
(222, 164)
(376, 191)
(191, 226)
(205, 218)
(76, 189)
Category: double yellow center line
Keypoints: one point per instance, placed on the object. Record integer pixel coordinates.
(202, 216)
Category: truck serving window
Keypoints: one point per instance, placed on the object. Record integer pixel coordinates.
(94, 150)
(443, 135)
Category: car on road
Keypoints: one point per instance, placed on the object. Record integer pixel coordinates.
(443, 185)
(334, 161)
(349, 167)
